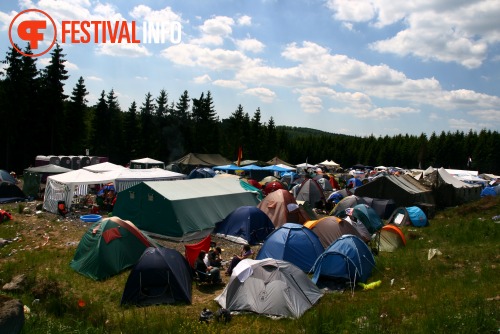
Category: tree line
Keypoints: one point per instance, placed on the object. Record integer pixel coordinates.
(39, 119)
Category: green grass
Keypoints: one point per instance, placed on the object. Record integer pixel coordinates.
(456, 292)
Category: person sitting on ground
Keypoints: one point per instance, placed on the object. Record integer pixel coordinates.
(213, 273)
(215, 257)
(246, 252)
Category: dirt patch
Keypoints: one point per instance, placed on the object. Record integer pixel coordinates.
(37, 229)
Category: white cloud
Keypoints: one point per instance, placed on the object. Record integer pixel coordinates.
(67, 64)
(123, 50)
(214, 31)
(250, 44)
(264, 94)
(434, 117)
(93, 78)
(465, 125)
(311, 104)
(317, 66)
(165, 19)
(464, 98)
(458, 31)
(141, 78)
(234, 84)
(381, 113)
(202, 79)
(354, 11)
(212, 59)
(348, 25)
(487, 115)
(145, 13)
(245, 20)
(70, 66)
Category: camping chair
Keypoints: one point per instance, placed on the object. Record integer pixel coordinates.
(61, 208)
(200, 277)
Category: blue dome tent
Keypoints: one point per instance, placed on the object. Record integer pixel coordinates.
(246, 224)
(347, 260)
(294, 243)
(201, 173)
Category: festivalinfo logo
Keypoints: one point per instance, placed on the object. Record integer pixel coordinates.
(39, 29)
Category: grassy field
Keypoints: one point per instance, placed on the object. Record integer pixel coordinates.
(455, 292)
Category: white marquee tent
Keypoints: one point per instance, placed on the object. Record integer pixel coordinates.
(65, 186)
(329, 163)
(103, 167)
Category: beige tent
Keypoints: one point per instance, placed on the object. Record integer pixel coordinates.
(280, 206)
(278, 161)
(329, 164)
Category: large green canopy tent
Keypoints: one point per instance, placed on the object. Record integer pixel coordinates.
(34, 177)
(183, 209)
(192, 160)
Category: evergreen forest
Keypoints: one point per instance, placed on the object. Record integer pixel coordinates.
(39, 119)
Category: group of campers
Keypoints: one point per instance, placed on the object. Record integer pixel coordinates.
(210, 264)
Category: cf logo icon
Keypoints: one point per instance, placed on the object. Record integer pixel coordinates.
(32, 31)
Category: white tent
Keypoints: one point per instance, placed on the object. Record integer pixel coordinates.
(126, 178)
(146, 163)
(65, 186)
(286, 167)
(103, 167)
(329, 163)
(305, 165)
(461, 172)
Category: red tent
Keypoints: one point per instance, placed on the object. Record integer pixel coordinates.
(254, 183)
(273, 186)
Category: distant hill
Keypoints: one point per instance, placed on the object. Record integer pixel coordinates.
(293, 131)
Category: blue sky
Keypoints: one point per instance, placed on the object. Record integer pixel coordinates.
(353, 67)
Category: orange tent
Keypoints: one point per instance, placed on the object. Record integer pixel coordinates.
(391, 238)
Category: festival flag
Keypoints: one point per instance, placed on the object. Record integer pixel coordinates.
(240, 155)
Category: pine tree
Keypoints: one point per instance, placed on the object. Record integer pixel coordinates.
(21, 102)
(163, 113)
(181, 124)
(53, 78)
(115, 130)
(99, 127)
(255, 139)
(147, 125)
(131, 130)
(76, 118)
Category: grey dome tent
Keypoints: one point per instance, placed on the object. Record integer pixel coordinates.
(311, 192)
(269, 287)
(161, 276)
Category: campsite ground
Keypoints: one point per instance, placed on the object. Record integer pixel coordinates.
(457, 291)
(38, 231)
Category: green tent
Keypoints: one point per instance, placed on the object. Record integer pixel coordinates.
(108, 247)
(34, 177)
(182, 209)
